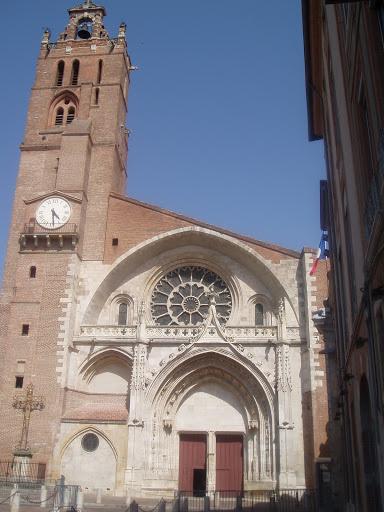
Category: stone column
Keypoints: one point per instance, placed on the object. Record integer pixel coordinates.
(211, 462)
(136, 446)
(286, 477)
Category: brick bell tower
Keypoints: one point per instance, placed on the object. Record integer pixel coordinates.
(73, 156)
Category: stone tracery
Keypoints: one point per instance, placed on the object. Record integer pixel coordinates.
(182, 297)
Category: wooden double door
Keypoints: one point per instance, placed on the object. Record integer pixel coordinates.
(193, 463)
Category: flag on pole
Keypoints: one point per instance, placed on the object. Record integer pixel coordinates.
(322, 253)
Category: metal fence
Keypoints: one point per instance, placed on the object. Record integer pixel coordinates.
(52, 495)
(16, 472)
(281, 500)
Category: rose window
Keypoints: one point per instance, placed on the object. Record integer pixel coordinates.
(182, 297)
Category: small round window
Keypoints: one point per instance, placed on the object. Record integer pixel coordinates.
(90, 442)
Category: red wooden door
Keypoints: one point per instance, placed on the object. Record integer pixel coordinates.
(192, 456)
(229, 463)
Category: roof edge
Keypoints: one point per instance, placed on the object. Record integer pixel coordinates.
(313, 135)
(244, 238)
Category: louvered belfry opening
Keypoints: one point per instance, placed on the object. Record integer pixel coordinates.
(60, 73)
(59, 119)
(71, 115)
(75, 72)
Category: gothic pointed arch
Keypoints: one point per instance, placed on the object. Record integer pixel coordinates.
(212, 391)
(85, 445)
(216, 357)
(63, 108)
(126, 266)
(107, 371)
(82, 431)
(261, 310)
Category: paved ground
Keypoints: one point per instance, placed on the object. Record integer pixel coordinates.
(108, 504)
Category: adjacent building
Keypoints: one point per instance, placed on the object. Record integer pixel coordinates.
(165, 354)
(344, 54)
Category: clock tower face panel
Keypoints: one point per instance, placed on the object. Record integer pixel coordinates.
(53, 213)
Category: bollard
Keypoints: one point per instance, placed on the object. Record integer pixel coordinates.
(15, 502)
(80, 501)
(133, 506)
(184, 504)
(162, 505)
(98, 496)
(176, 505)
(239, 503)
(13, 494)
(67, 497)
(43, 496)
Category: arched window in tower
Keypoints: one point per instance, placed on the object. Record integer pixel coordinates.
(75, 72)
(259, 314)
(100, 72)
(71, 115)
(123, 313)
(60, 73)
(59, 119)
(85, 28)
(63, 109)
(32, 272)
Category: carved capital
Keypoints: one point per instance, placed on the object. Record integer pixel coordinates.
(168, 424)
(253, 425)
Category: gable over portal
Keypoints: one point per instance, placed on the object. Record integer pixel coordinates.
(133, 222)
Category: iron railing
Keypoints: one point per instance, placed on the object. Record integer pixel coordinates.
(281, 500)
(16, 472)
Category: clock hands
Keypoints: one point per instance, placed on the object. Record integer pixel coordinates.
(54, 214)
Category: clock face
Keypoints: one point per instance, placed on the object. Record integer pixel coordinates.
(53, 213)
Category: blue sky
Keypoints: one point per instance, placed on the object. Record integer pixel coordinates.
(217, 110)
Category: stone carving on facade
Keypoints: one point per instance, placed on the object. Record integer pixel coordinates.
(283, 384)
(167, 424)
(281, 310)
(230, 374)
(212, 328)
(253, 425)
(138, 382)
(267, 466)
(283, 369)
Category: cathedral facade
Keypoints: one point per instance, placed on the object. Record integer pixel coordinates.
(170, 354)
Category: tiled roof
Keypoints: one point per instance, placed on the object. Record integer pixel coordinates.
(97, 412)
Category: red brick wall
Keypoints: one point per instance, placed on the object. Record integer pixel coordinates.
(133, 222)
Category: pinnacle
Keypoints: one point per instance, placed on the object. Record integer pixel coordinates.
(88, 4)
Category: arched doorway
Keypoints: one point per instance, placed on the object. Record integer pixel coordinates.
(211, 407)
(215, 422)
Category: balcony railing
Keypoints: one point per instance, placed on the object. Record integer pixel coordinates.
(32, 228)
(39, 237)
(176, 333)
(108, 331)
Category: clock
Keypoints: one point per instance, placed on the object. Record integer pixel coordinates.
(53, 213)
